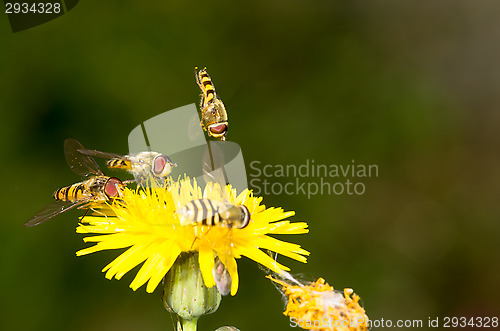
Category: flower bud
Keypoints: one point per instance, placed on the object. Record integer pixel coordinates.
(185, 293)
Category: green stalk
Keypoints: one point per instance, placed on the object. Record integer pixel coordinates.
(187, 325)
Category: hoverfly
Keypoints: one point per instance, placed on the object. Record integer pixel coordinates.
(142, 166)
(98, 188)
(213, 112)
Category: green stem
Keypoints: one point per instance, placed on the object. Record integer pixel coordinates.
(187, 325)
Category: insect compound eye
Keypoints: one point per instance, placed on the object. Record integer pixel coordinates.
(245, 217)
(162, 165)
(218, 129)
(112, 187)
(159, 163)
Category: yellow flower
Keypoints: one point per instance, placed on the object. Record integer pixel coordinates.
(318, 307)
(146, 221)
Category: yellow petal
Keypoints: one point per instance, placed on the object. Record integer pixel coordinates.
(206, 260)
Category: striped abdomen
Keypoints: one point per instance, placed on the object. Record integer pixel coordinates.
(202, 211)
(73, 192)
(119, 163)
(208, 212)
(207, 87)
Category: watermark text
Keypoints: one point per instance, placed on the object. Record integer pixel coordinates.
(310, 179)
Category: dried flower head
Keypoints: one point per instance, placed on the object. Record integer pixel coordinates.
(318, 306)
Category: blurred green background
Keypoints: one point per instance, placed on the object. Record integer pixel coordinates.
(411, 86)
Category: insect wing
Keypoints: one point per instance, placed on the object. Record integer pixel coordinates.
(104, 155)
(81, 164)
(213, 167)
(52, 210)
(214, 172)
(197, 77)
